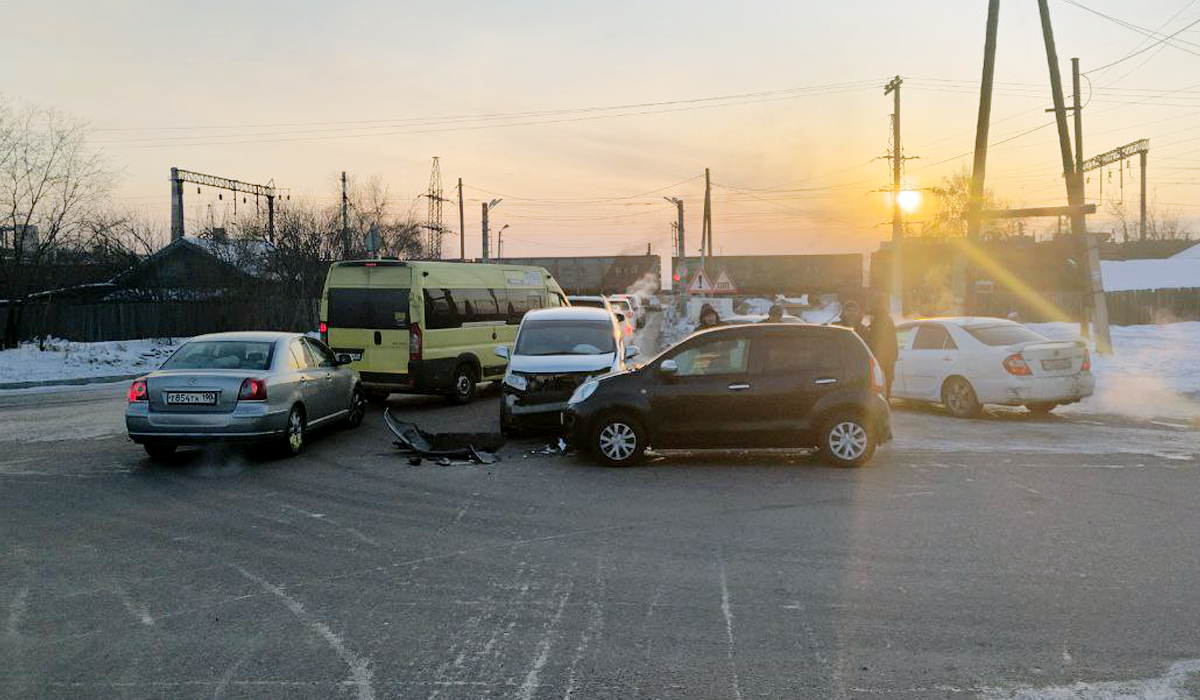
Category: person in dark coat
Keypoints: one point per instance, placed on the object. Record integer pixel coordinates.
(881, 338)
(852, 318)
(774, 314)
(709, 318)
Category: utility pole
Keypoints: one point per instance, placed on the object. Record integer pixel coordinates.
(176, 205)
(893, 88)
(487, 206)
(1142, 224)
(707, 243)
(960, 277)
(1084, 315)
(485, 231)
(680, 251)
(345, 220)
(462, 229)
(1075, 189)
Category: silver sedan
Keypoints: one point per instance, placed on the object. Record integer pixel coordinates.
(243, 387)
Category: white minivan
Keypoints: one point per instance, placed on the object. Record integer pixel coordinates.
(556, 350)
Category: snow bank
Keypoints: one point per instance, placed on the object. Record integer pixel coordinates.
(63, 359)
(1171, 273)
(1153, 371)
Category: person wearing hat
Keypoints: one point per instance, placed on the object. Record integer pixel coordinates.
(709, 318)
(774, 314)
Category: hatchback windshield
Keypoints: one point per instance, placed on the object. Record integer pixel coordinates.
(566, 338)
(1006, 334)
(221, 354)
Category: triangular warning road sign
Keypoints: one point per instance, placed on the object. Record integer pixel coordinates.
(725, 283)
(700, 283)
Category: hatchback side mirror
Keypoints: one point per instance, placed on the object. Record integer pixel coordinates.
(631, 351)
(668, 368)
(501, 351)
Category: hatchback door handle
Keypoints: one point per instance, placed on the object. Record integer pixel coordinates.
(825, 380)
(738, 387)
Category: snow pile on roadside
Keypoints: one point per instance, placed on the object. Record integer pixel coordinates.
(64, 359)
(1153, 371)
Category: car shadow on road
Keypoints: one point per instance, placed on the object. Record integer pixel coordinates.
(996, 413)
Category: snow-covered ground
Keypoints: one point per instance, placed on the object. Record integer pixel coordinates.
(1153, 370)
(63, 359)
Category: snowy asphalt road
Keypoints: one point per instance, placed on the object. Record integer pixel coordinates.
(1004, 557)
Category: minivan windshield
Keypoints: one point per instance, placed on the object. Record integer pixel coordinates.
(221, 354)
(1004, 334)
(566, 337)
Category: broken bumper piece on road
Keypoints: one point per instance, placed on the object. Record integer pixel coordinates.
(477, 447)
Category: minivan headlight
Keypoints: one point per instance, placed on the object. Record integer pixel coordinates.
(516, 381)
(583, 391)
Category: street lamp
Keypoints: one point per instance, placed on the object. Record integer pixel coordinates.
(487, 206)
(500, 242)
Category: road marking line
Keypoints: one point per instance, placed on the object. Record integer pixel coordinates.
(360, 667)
(16, 611)
(727, 612)
(139, 612)
(530, 686)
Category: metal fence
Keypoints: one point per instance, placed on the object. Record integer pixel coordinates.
(162, 319)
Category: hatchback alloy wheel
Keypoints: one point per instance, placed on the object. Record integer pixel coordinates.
(848, 440)
(619, 441)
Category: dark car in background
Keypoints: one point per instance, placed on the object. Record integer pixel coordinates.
(736, 387)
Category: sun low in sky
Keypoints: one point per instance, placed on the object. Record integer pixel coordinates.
(583, 116)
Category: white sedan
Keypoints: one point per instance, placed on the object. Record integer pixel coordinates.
(967, 362)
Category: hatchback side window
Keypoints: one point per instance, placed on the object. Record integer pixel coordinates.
(321, 354)
(718, 356)
(931, 337)
(800, 353)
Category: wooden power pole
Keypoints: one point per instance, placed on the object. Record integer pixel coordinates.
(462, 231)
(897, 215)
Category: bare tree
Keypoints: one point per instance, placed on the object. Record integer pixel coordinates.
(52, 184)
(949, 218)
(1161, 225)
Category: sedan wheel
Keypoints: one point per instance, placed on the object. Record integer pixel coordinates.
(960, 399)
(846, 442)
(358, 408)
(618, 441)
(293, 441)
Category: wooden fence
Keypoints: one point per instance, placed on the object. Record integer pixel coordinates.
(162, 319)
(1124, 308)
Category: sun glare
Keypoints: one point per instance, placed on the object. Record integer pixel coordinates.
(910, 200)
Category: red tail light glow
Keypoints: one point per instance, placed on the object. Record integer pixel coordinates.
(1016, 365)
(253, 390)
(323, 328)
(1087, 361)
(138, 391)
(415, 344)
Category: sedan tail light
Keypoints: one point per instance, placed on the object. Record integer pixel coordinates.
(1016, 365)
(138, 391)
(253, 390)
(1087, 361)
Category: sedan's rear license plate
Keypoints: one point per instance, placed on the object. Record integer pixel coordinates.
(1051, 365)
(192, 398)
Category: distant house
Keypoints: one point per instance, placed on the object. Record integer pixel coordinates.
(195, 269)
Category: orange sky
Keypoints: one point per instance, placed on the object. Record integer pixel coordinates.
(300, 91)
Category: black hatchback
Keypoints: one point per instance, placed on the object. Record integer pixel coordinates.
(737, 387)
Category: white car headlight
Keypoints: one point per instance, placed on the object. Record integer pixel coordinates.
(516, 381)
(583, 391)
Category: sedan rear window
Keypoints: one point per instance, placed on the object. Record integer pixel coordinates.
(221, 354)
(1006, 334)
(566, 338)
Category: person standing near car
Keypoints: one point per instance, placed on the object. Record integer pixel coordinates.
(881, 338)
(774, 314)
(852, 317)
(709, 318)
